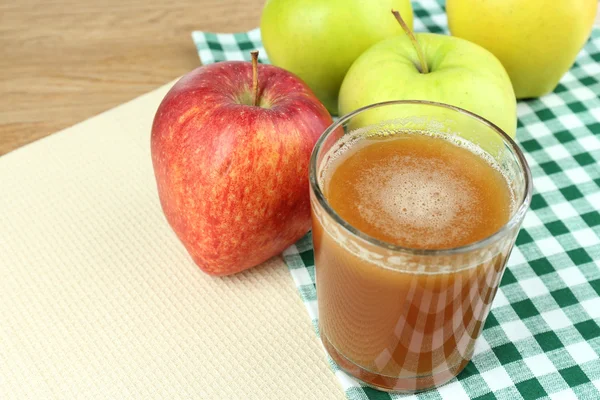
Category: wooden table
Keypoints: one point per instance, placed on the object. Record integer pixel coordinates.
(62, 61)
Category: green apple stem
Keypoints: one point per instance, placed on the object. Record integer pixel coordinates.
(254, 54)
(413, 39)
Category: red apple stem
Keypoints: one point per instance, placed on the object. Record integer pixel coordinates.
(415, 43)
(254, 54)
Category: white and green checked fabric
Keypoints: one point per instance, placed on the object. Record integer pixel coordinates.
(542, 337)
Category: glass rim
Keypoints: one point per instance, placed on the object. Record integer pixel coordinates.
(521, 209)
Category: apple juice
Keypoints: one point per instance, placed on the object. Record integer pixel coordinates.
(408, 323)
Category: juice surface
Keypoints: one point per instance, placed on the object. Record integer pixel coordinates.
(399, 328)
(418, 191)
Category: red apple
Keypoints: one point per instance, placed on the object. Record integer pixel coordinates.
(231, 143)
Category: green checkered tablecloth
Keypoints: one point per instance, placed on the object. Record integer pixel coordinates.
(542, 337)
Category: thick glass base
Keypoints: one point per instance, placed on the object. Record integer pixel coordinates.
(393, 383)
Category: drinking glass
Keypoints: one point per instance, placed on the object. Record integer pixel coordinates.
(397, 318)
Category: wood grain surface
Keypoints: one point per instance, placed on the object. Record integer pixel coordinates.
(62, 61)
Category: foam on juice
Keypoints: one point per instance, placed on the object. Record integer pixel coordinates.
(418, 191)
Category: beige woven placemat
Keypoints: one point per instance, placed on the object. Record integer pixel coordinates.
(98, 299)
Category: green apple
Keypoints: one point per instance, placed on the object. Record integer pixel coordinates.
(536, 40)
(432, 67)
(318, 40)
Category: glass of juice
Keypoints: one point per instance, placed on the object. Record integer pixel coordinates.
(416, 207)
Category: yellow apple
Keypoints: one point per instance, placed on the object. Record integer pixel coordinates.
(536, 40)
